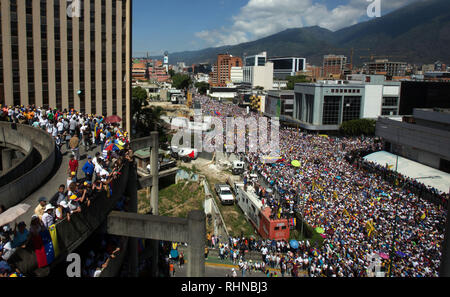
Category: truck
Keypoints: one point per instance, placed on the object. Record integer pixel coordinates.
(187, 154)
(234, 182)
(184, 154)
(224, 193)
(238, 167)
(268, 227)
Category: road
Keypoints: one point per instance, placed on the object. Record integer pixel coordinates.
(215, 271)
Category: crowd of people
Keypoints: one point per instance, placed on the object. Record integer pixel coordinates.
(84, 184)
(430, 193)
(360, 212)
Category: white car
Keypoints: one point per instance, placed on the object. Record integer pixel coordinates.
(225, 194)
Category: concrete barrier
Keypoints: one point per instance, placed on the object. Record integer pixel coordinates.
(10, 138)
(72, 234)
(26, 176)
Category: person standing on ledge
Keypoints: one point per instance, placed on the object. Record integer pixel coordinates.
(40, 209)
(73, 165)
(74, 146)
(88, 169)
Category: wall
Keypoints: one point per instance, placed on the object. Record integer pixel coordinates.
(373, 101)
(13, 139)
(263, 76)
(15, 191)
(419, 143)
(72, 234)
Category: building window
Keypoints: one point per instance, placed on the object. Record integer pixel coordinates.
(331, 108)
(390, 101)
(352, 108)
(309, 106)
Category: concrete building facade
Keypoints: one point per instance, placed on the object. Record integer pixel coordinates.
(259, 76)
(258, 72)
(236, 75)
(425, 140)
(325, 105)
(64, 55)
(280, 103)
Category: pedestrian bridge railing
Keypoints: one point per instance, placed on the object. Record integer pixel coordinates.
(72, 234)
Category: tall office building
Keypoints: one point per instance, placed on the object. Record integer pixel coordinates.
(67, 54)
(258, 72)
(287, 66)
(221, 74)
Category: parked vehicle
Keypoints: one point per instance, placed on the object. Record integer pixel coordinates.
(238, 167)
(225, 195)
(187, 154)
(234, 182)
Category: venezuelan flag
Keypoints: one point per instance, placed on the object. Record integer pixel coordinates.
(97, 130)
(54, 237)
(44, 246)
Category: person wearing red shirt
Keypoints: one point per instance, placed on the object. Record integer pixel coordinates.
(73, 165)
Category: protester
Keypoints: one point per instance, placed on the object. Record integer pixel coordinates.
(88, 169)
(48, 217)
(40, 209)
(361, 210)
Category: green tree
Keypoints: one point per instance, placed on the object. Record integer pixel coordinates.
(139, 93)
(146, 118)
(171, 73)
(181, 81)
(358, 127)
(292, 80)
(202, 87)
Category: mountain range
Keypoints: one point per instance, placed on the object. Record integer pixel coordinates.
(418, 33)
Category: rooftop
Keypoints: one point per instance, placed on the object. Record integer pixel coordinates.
(422, 173)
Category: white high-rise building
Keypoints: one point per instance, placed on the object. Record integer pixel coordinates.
(259, 76)
(237, 75)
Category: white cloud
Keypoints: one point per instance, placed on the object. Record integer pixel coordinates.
(260, 18)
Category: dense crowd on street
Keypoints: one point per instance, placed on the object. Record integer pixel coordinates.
(85, 182)
(360, 212)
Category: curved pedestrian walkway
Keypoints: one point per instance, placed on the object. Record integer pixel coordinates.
(56, 178)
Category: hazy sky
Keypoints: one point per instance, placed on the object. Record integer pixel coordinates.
(179, 25)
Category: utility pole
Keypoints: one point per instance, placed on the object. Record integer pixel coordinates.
(154, 166)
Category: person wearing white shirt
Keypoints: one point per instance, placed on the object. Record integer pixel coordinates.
(47, 218)
(10, 114)
(43, 122)
(54, 132)
(98, 169)
(104, 175)
(60, 126)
